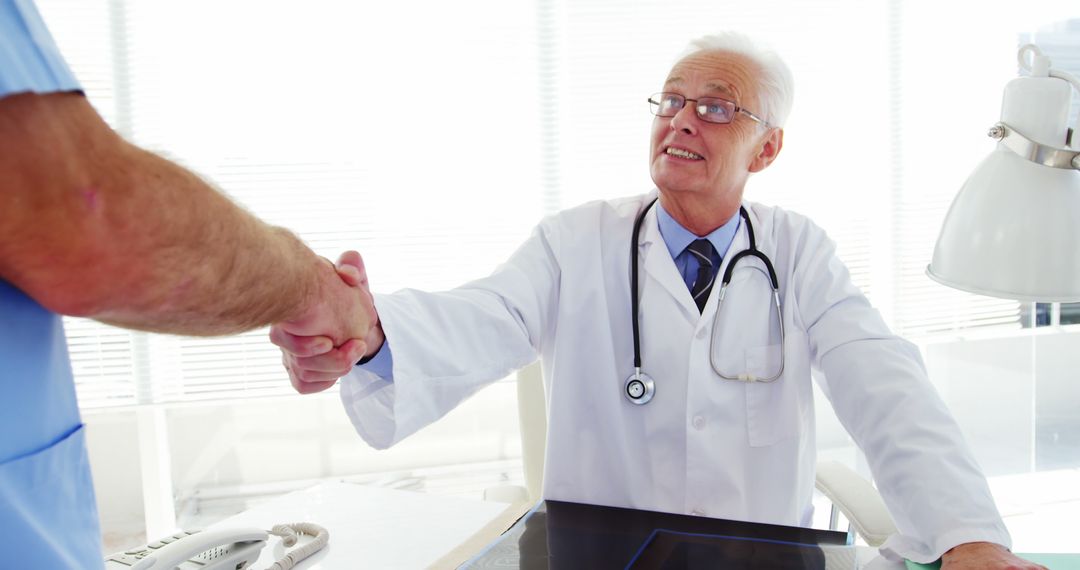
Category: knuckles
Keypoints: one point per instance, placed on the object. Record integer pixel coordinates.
(275, 336)
(307, 376)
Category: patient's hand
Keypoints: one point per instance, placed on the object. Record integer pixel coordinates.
(984, 555)
(313, 362)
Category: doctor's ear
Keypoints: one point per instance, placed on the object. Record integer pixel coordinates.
(770, 148)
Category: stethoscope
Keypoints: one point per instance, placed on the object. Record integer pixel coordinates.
(640, 388)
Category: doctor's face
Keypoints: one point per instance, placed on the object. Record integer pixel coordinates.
(690, 155)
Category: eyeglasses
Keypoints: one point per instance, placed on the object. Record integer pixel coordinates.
(708, 109)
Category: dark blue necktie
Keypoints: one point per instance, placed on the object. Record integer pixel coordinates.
(703, 250)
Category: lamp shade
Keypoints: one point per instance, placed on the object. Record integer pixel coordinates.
(1013, 230)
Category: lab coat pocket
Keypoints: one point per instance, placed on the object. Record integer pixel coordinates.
(48, 516)
(772, 409)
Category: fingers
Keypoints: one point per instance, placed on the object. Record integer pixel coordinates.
(350, 267)
(313, 387)
(337, 361)
(306, 382)
(300, 345)
(317, 373)
(352, 258)
(349, 274)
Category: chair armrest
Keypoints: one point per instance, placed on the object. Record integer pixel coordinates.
(857, 499)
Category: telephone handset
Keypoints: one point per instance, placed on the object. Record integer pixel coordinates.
(231, 549)
(228, 549)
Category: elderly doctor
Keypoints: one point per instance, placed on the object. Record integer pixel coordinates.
(701, 429)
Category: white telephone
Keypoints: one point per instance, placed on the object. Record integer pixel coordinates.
(230, 549)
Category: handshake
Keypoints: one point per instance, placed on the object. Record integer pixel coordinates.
(336, 327)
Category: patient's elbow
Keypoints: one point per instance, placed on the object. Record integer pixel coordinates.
(67, 298)
(61, 286)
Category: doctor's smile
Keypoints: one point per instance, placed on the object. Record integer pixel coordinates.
(682, 153)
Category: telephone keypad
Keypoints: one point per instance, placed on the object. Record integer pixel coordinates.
(131, 557)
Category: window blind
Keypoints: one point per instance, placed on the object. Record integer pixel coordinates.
(376, 127)
(432, 136)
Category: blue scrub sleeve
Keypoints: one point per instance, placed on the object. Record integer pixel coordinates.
(30, 61)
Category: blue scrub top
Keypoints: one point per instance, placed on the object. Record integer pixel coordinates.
(48, 515)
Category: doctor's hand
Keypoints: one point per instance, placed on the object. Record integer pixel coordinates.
(313, 353)
(980, 555)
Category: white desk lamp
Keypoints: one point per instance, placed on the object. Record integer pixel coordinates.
(1013, 230)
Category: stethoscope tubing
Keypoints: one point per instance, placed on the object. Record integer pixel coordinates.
(635, 299)
(639, 387)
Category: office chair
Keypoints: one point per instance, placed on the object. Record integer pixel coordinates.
(849, 493)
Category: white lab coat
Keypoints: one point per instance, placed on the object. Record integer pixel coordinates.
(703, 445)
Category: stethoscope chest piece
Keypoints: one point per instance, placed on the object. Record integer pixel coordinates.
(639, 388)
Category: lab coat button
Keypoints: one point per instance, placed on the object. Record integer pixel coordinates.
(697, 513)
(699, 422)
(702, 332)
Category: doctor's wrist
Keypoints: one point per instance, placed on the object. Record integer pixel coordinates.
(375, 339)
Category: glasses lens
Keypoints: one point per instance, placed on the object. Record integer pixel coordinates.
(715, 110)
(666, 104)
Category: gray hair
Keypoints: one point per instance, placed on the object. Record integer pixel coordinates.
(777, 86)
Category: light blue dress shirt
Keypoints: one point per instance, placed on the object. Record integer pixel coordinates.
(48, 515)
(678, 238)
(675, 236)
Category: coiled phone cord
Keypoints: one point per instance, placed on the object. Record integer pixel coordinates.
(288, 534)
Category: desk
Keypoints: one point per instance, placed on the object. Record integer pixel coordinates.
(374, 527)
(370, 527)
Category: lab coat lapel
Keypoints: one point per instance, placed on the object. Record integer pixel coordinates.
(660, 266)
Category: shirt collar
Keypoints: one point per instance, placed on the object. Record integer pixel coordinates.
(677, 237)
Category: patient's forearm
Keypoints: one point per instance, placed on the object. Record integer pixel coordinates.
(93, 226)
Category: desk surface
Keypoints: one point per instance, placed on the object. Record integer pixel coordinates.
(370, 527)
(374, 527)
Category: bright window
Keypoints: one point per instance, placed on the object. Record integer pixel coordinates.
(432, 136)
